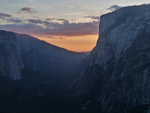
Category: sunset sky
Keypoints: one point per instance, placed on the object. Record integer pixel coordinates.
(71, 24)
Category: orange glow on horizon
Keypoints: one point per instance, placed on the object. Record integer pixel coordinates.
(74, 43)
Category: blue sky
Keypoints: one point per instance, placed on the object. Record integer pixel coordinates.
(65, 8)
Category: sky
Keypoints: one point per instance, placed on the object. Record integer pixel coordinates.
(71, 24)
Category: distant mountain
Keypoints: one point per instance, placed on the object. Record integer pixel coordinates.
(35, 75)
(19, 52)
(117, 76)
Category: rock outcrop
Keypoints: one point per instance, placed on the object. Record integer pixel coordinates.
(118, 73)
(10, 58)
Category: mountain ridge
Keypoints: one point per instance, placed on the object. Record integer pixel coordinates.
(117, 74)
(39, 55)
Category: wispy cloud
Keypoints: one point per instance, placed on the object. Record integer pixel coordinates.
(4, 15)
(28, 10)
(49, 27)
(43, 27)
(14, 20)
(72, 29)
(114, 7)
(36, 21)
(93, 17)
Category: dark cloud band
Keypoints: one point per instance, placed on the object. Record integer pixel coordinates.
(59, 29)
(4, 15)
(27, 10)
(50, 26)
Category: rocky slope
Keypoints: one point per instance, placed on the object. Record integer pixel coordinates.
(116, 79)
(10, 58)
(22, 52)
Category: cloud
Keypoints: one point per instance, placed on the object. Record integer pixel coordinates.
(66, 28)
(21, 28)
(49, 26)
(27, 10)
(4, 15)
(73, 29)
(35, 21)
(63, 20)
(9, 18)
(50, 19)
(43, 27)
(58, 19)
(14, 20)
(114, 7)
(47, 21)
(93, 17)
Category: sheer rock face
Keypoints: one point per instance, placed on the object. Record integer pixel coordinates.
(118, 71)
(10, 58)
